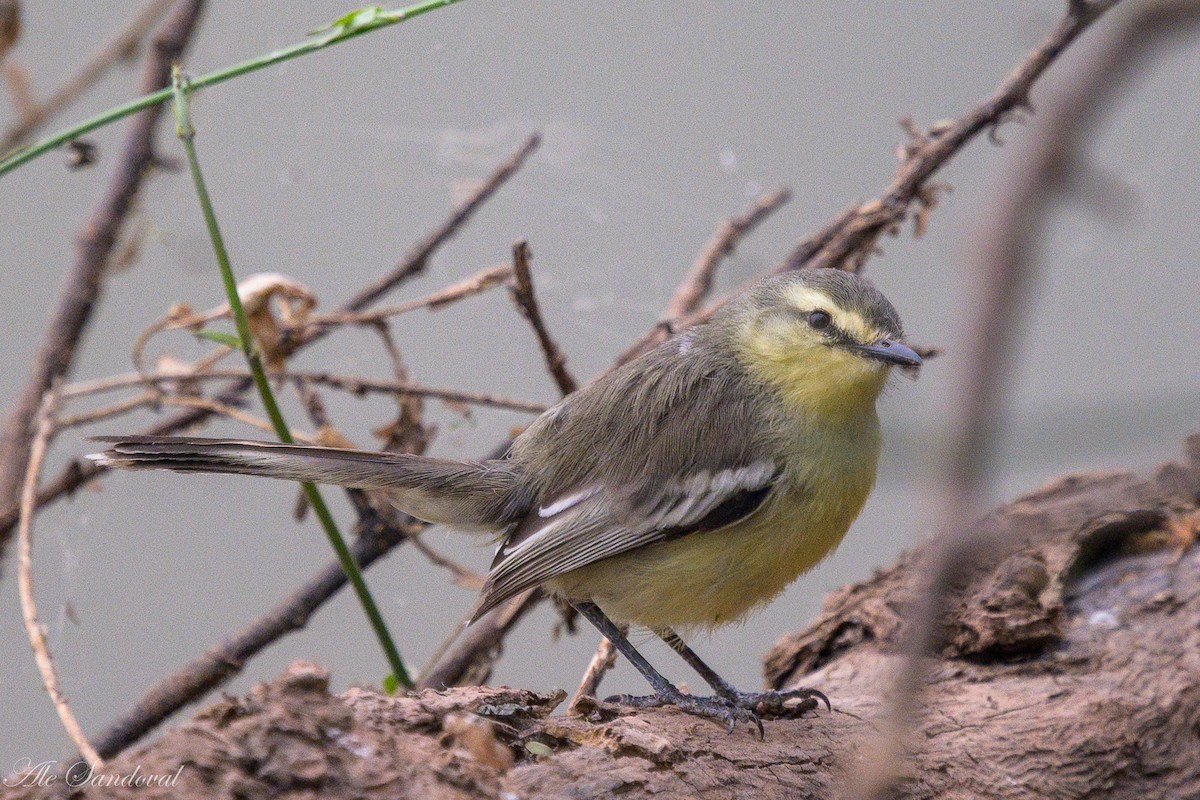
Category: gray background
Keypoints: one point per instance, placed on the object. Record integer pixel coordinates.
(660, 120)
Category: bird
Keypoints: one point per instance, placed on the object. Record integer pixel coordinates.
(677, 493)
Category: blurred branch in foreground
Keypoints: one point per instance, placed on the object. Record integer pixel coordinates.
(1004, 270)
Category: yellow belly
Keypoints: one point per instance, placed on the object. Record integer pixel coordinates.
(708, 579)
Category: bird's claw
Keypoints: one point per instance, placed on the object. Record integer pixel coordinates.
(774, 703)
(715, 707)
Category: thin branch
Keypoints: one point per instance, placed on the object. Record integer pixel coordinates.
(214, 406)
(117, 49)
(725, 239)
(354, 384)
(480, 646)
(86, 277)
(418, 258)
(526, 300)
(118, 409)
(463, 576)
(603, 660)
(10, 25)
(850, 247)
(698, 283)
(472, 285)
(44, 424)
(814, 243)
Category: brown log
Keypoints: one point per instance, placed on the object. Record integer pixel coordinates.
(1070, 669)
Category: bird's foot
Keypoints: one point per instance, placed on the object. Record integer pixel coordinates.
(774, 704)
(722, 709)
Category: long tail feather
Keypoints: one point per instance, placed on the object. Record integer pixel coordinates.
(476, 495)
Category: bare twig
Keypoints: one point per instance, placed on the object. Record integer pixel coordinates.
(725, 239)
(418, 259)
(355, 384)
(472, 659)
(526, 300)
(603, 660)
(812, 244)
(158, 399)
(698, 282)
(85, 279)
(850, 247)
(117, 49)
(44, 423)
(473, 285)
(463, 576)
(10, 25)
(216, 407)
(117, 409)
(1004, 269)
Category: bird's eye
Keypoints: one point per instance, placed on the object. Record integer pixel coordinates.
(819, 320)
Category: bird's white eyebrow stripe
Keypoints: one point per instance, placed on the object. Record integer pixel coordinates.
(563, 503)
(806, 298)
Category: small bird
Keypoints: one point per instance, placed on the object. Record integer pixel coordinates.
(677, 492)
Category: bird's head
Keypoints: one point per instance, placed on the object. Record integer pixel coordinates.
(825, 338)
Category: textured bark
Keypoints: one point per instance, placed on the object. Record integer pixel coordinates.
(1071, 669)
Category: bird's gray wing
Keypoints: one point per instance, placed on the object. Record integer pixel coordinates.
(595, 522)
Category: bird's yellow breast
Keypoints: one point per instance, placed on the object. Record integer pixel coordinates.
(707, 579)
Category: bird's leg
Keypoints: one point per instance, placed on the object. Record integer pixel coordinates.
(665, 692)
(768, 703)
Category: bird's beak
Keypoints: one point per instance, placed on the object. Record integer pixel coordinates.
(891, 352)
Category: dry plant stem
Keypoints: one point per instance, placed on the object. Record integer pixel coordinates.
(1004, 270)
(76, 474)
(463, 576)
(158, 399)
(118, 409)
(81, 289)
(10, 25)
(112, 52)
(473, 285)
(812, 244)
(37, 633)
(354, 384)
(523, 294)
